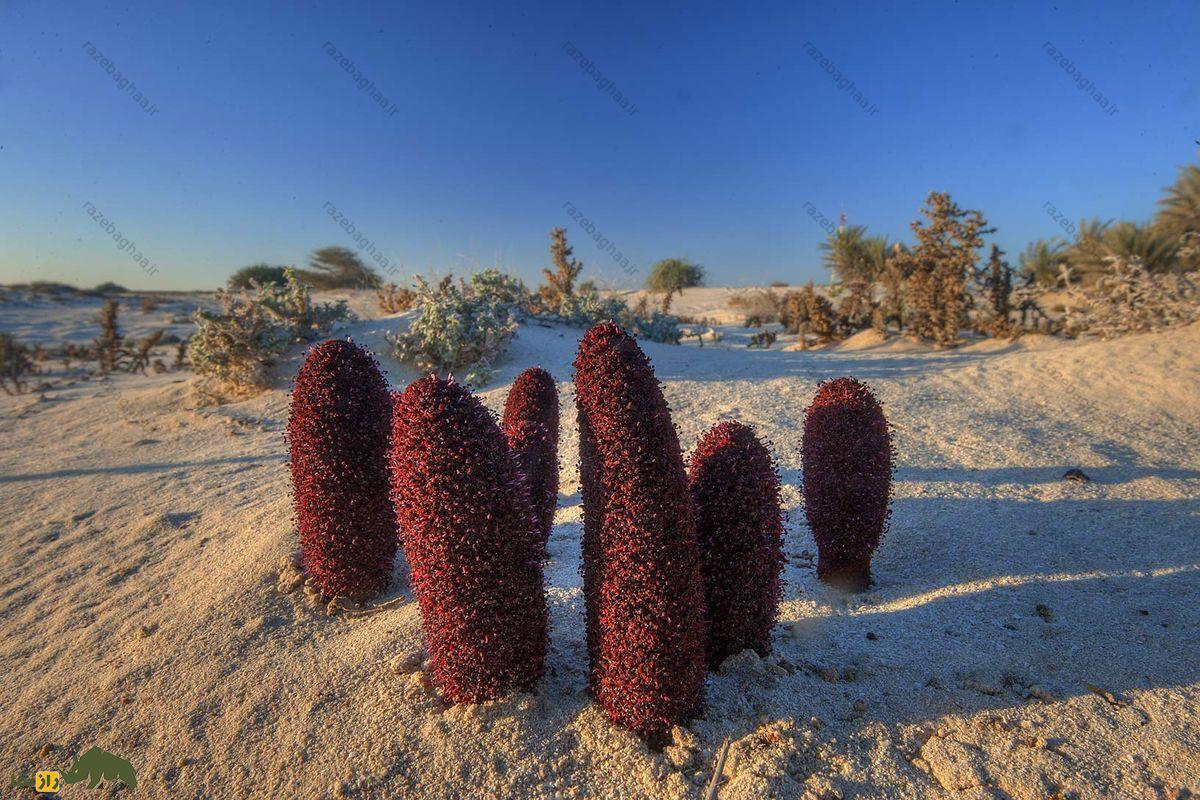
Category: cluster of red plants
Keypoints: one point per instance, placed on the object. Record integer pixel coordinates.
(337, 436)
(680, 568)
(847, 454)
(531, 428)
(641, 564)
(470, 542)
(739, 526)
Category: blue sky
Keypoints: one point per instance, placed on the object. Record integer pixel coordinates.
(496, 127)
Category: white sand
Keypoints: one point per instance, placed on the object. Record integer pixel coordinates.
(140, 609)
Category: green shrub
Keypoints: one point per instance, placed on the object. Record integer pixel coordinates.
(674, 274)
(237, 346)
(464, 326)
(261, 274)
(585, 309)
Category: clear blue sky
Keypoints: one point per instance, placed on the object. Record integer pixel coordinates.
(496, 127)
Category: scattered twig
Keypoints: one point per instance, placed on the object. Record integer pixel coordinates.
(711, 794)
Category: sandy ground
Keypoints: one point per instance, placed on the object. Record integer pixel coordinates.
(1026, 635)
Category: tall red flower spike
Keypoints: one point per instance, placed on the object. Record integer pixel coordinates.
(338, 440)
(641, 565)
(470, 542)
(531, 428)
(847, 453)
(739, 525)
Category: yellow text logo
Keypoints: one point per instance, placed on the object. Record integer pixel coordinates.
(47, 781)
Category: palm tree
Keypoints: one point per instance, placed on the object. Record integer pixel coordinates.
(1040, 260)
(845, 256)
(1179, 210)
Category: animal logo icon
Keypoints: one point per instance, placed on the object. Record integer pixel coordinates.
(96, 765)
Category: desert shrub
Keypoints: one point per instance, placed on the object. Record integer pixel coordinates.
(139, 353)
(393, 299)
(778, 284)
(560, 282)
(739, 528)
(16, 364)
(462, 326)
(585, 309)
(996, 288)
(644, 599)
(148, 304)
(847, 457)
(809, 314)
(938, 268)
(531, 428)
(673, 275)
(470, 540)
(762, 340)
(1127, 298)
(237, 346)
(338, 432)
(108, 346)
(761, 306)
(257, 275)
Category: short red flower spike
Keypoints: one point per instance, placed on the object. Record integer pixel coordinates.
(337, 436)
(470, 542)
(531, 428)
(641, 566)
(739, 526)
(847, 454)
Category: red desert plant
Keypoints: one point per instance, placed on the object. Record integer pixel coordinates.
(847, 453)
(469, 539)
(531, 428)
(739, 525)
(641, 566)
(338, 440)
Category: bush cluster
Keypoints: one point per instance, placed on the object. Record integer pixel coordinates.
(236, 347)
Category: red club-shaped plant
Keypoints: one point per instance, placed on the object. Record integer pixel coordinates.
(641, 566)
(847, 454)
(470, 542)
(739, 527)
(531, 427)
(337, 436)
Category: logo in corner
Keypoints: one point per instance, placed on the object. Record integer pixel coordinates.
(95, 766)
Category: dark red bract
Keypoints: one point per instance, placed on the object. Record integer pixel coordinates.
(470, 543)
(338, 440)
(739, 526)
(641, 566)
(531, 428)
(847, 454)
